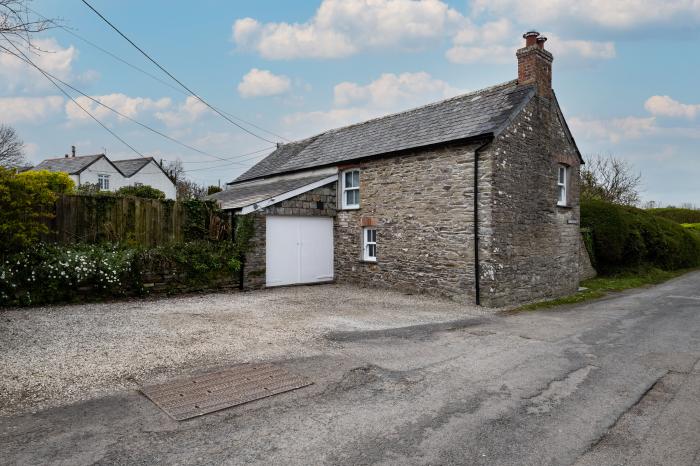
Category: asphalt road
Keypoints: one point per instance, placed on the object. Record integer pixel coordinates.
(615, 381)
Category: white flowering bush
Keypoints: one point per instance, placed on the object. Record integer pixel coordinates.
(49, 273)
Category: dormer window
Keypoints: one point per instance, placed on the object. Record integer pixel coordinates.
(350, 183)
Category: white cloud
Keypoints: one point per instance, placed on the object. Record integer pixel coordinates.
(580, 49)
(390, 91)
(188, 112)
(259, 83)
(620, 14)
(52, 57)
(342, 28)
(663, 105)
(129, 106)
(613, 130)
(33, 109)
(497, 42)
(355, 102)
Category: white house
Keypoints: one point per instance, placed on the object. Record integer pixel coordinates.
(111, 175)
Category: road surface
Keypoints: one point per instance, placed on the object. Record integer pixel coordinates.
(616, 381)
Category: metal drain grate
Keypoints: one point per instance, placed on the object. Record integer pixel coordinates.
(206, 393)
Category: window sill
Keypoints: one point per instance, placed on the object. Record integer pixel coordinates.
(369, 261)
(564, 206)
(350, 208)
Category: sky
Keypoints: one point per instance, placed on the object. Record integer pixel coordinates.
(625, 73)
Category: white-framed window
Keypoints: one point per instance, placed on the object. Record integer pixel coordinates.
(369, 244)
(103, 182)
(350, 183)
(562, 184)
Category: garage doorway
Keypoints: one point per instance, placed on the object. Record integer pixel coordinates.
(299, 250)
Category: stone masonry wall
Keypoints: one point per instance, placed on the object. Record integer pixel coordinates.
(317, 202)
(532, 251)
(422, 205)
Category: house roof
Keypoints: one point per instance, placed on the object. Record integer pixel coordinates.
(481, 113)
(70, 165)
(246, 194)
(131, 166)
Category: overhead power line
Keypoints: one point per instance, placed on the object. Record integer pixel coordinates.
(143, 125)
(150, 75)
(217, 111)
(69, 96)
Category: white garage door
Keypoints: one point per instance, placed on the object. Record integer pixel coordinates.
(299, 250)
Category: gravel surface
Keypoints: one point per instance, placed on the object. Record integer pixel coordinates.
(57, 355)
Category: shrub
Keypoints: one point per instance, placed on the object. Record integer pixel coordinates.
(26, 202)
(625, 237)
(677, 215)
(50, 273)
(58, 182)
(59, 273)
(143, 191)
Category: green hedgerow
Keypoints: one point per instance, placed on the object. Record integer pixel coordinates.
(625, 237)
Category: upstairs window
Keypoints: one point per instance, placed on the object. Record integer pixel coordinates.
(562, 184)
(103, 182)
(350, 181)
(369, 243)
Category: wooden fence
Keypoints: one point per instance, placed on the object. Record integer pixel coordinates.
(148, 222)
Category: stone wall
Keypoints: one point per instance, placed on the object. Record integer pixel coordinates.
(317, 202)
(531, 251)
(422, 205)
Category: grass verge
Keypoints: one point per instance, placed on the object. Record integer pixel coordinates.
(600, 286)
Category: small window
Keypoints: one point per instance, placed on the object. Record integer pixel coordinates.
(351, 189)
(369, 244)
(103, 182)
(562, 184)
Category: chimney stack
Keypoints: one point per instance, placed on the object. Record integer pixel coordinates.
(72, 150)
(535, 64)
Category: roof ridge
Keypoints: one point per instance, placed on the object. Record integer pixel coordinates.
(76, 157)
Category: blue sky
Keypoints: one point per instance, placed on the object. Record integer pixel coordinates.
(626, 74)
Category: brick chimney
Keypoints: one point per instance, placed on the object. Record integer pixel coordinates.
(535, 64)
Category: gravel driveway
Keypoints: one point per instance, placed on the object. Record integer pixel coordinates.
(57, 355)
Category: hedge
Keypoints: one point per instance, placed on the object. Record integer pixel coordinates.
(625, 237)
(677, 215)
(52, 273)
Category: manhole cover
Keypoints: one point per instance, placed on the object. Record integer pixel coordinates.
(206, 393)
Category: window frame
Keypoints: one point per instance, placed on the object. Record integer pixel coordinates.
(562, 186)
(345, 189)
(103, 181)
(366, 243)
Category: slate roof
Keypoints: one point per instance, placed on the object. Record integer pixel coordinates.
(480, 113)
(131, 166)
(70, 165)
(244, 195)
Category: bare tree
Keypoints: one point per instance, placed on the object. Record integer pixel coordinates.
(186, 189)
(18, 23)
(11, 148)
(610, 179)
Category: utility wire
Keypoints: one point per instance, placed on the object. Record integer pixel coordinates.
(141, 70)
(148, 127)
(142, 124)
(69, 96)
(174, 78)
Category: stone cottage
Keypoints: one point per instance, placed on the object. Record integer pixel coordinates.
(475, 197)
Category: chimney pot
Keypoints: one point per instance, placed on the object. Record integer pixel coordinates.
(540, 41)
(72, 150)
(66, 155)
(531, 38)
